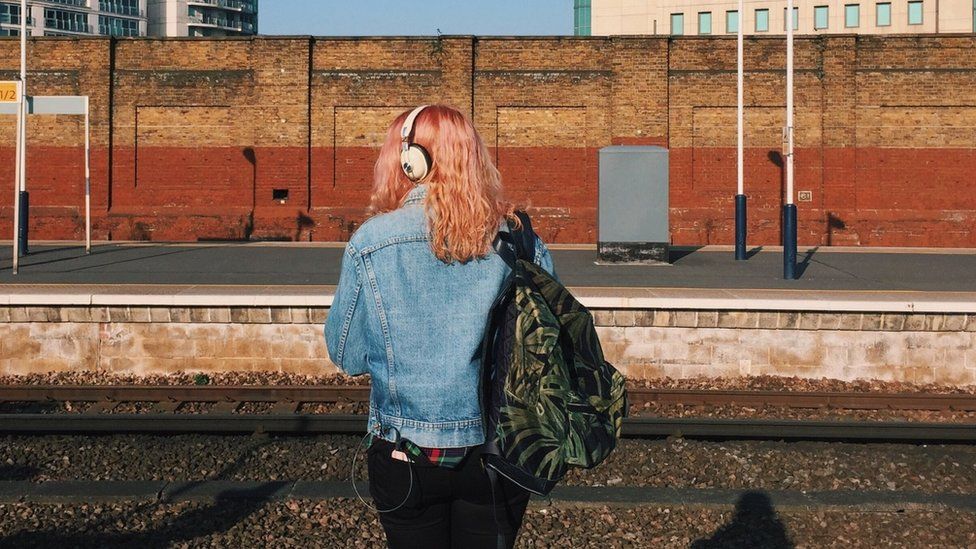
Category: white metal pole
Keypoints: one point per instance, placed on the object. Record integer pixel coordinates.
(789, 210)
(789, 103)
(23, 95)
(16, 240)
(741, 223)
(87, 180)
(739, 62)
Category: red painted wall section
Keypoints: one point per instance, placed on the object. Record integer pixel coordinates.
(862, 196)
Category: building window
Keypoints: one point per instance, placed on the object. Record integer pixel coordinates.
(705, 22)
(914, 13)
(762, 20)
(796, 19)
(820, 20)
(117, 26)
(732, 21)
(10, 14)
(677, 23)
(852, 15)
(581, 17)
(9, 32)
(121, 7)
(66, 20)
(883, 14)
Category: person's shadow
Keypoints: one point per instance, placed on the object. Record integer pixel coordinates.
(754, 525)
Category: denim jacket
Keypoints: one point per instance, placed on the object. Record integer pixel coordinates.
(414, 323)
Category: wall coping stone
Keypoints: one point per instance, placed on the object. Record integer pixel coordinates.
(595, 298)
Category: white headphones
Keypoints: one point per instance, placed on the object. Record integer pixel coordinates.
(414, 159)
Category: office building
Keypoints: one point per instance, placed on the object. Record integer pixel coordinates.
(132, 17)
(76, 18)
(203, 17)
(705, 17)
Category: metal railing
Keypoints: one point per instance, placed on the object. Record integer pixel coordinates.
(75, 3)
(243, 5)
(124, 12)
(221, 23)
(15, 19)
(69, 25)
(110, 30)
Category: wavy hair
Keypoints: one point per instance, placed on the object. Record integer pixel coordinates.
(464, 203)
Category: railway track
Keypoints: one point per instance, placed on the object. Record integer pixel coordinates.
(39, 409)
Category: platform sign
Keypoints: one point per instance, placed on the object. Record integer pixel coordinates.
(9, 91)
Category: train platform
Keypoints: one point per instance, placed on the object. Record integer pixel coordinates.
(304, 274)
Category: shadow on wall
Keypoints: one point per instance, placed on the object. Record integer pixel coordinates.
(776, 158)
(754, 524)
(253, 161)
(833, 222)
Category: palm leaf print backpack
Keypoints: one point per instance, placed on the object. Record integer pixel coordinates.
(549, 399)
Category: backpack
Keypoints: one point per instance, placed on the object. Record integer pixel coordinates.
(549, 399)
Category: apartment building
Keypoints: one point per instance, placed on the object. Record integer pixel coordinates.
(76, 17)
(203, 17)
(716, 17)
(131, 17)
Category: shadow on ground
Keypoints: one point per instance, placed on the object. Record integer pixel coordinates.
(17, 472)
(229, 508)
(754, 524)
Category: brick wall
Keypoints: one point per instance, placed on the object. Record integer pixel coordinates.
(191, 138)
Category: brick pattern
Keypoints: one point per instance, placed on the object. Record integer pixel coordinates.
(192, 137)
(785, 320)
(139, 315)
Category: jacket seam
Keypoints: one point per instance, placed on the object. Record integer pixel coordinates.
(385, 327)
(394, 240)
(429, 425)
(349, 312)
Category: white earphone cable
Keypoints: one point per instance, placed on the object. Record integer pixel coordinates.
(352, 476)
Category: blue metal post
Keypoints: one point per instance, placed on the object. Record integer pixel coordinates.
(740, 226)
(24, 222)
(789, 241)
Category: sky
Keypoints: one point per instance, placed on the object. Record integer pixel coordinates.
(415, 17)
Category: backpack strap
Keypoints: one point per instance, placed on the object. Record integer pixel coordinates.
(516, 243)
(503, 245)
(525, 238)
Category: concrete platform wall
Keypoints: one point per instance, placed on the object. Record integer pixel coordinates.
(191, 138)
(644, 344)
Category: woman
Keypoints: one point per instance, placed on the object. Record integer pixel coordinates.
(417, 281)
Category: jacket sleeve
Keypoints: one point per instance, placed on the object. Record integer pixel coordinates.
(543, 258)
(346, 329)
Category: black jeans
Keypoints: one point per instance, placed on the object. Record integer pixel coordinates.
(446, 507)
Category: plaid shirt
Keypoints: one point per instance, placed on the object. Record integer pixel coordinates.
(441, 457)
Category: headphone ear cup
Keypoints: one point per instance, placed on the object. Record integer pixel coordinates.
(415, 162)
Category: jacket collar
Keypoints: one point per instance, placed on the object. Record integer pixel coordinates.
(416, 195)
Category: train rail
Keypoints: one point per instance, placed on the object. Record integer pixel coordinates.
(290, 397)
(36, 411)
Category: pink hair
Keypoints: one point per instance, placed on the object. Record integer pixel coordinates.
(464, 203)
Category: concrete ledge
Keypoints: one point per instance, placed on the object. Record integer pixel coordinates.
(151, 295)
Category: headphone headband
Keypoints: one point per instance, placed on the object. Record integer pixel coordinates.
(407, 128)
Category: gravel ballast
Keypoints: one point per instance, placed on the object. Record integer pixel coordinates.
(344, 523)
(674, 462)
(757, 383)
